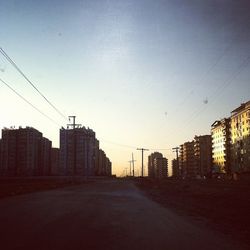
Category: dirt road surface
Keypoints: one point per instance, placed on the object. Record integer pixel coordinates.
(103, 214)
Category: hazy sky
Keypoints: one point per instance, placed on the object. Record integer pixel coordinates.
(140, 73)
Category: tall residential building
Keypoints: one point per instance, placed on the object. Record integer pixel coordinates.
(96, 157)
(240, 138)
(187, 160)
(25, 152)
(1, 157)
(161, 167)
(104, 164)
(54, 161)
(101, 163)
(175, 169)
(44, 160)
(181, 161)
(221, 138)
(151, 167)
(77, 151)
(108, 167)
(203, 155)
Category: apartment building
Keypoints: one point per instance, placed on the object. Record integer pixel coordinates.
(240, 138)
(80, 153)
(175, 169)
(187, 160)
(151, 166)
(108, 167)
(54, 161)
(161, 167)
(221, 139)
(44, 160)
(77, 151)
(25, 152)
(1, 157)
(203, 155)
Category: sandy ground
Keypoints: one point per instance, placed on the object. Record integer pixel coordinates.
(102, 214)
(222, 205)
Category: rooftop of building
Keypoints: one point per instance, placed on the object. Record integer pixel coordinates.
(19, 128)
(241, 108)
(220, 122)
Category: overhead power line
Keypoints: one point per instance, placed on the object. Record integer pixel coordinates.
(33, 106)
(27, 79)
(133, 147)
(219, 90)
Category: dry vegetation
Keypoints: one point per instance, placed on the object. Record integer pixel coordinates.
(224, 205)
(17, 186)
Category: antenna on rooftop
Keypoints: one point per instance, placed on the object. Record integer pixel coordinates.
(73, 124)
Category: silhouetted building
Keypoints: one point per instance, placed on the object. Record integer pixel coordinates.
(96, 158)
(55, 156)
(1, 155)
(44, 160)
(161, 167)
(77, 151)
(157, 166)
(187, 160)
(203, 155)
(104, 164)
(240, 139)
(175, 169)
(101, 163)
(181, 161)
(221, 138)
(108, 167)
(151, 167)
(25, 152)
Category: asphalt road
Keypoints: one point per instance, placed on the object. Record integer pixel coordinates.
(104, 214)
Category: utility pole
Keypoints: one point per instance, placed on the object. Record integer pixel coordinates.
(133, 162)
(142, 150)
(176, 150)
(130, 167)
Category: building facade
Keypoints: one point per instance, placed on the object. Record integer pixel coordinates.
(187, 161)
(80, 154)
(240, 139)
(221, 152)
(25, 152)
(161, 167)
(54, 161)
(77, 151)
(203, 156)
(175, 169)
(151, 166)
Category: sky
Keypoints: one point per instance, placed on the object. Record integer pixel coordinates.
(140, 73)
